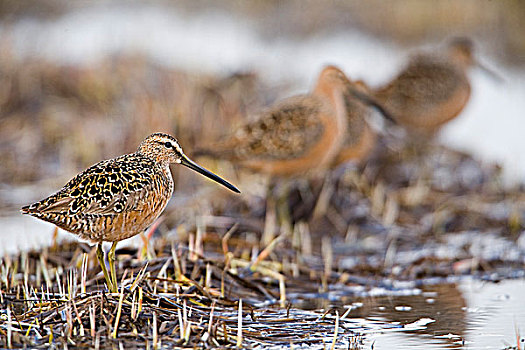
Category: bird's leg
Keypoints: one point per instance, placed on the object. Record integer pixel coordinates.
(283, 209)
(270, 222)
(323, 200)
(100, 257)
(111, 260)
(144, 251)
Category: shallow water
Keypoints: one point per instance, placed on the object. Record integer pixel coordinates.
(468, 314)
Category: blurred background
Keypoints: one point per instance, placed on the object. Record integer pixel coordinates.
(81, 82)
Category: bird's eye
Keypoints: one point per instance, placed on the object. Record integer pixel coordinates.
(167, 144)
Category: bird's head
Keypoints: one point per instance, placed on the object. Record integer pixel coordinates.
(331, 78)
(165, 149)
(162, 147)
(461, 50)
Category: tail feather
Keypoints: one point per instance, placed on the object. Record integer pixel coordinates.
(27, 209)
(32, 209)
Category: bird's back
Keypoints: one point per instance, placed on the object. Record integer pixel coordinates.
(300, 134)
(280, 140)
(110, 201)
(430, 91)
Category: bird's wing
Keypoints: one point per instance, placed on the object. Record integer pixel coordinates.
(284, 130)
(425, 78)
(111, 186)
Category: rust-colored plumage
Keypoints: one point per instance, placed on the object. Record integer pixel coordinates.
(360, 138)
(118, 198)
(297, 135)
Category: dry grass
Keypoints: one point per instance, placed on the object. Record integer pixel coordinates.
(157, 304)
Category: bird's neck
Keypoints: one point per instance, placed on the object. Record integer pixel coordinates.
(323, 89)
(160, 160)
(460, 59)
(334, 94)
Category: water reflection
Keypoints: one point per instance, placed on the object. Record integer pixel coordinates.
(469, 314)
(443, 303)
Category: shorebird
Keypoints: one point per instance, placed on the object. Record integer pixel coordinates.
(297, 135)
(118, 198)
(360, 138)
(432, 90)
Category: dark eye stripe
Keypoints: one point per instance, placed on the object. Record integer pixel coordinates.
(166, 144)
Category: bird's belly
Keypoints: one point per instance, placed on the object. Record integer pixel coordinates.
(117, 227)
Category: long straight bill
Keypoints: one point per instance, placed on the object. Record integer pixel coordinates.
(489, 72)
(194, 166)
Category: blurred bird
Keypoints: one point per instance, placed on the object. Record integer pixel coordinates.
(432, 90)
(360, 138)
(297, 135)
(118, 198)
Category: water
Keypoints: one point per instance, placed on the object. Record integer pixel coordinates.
(469, 314)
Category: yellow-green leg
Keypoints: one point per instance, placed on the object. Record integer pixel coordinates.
(100, 257)
(111, 260)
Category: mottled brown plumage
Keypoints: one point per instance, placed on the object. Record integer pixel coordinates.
(431, 90)
(118, 198)
(298, 134)
(98, 202)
